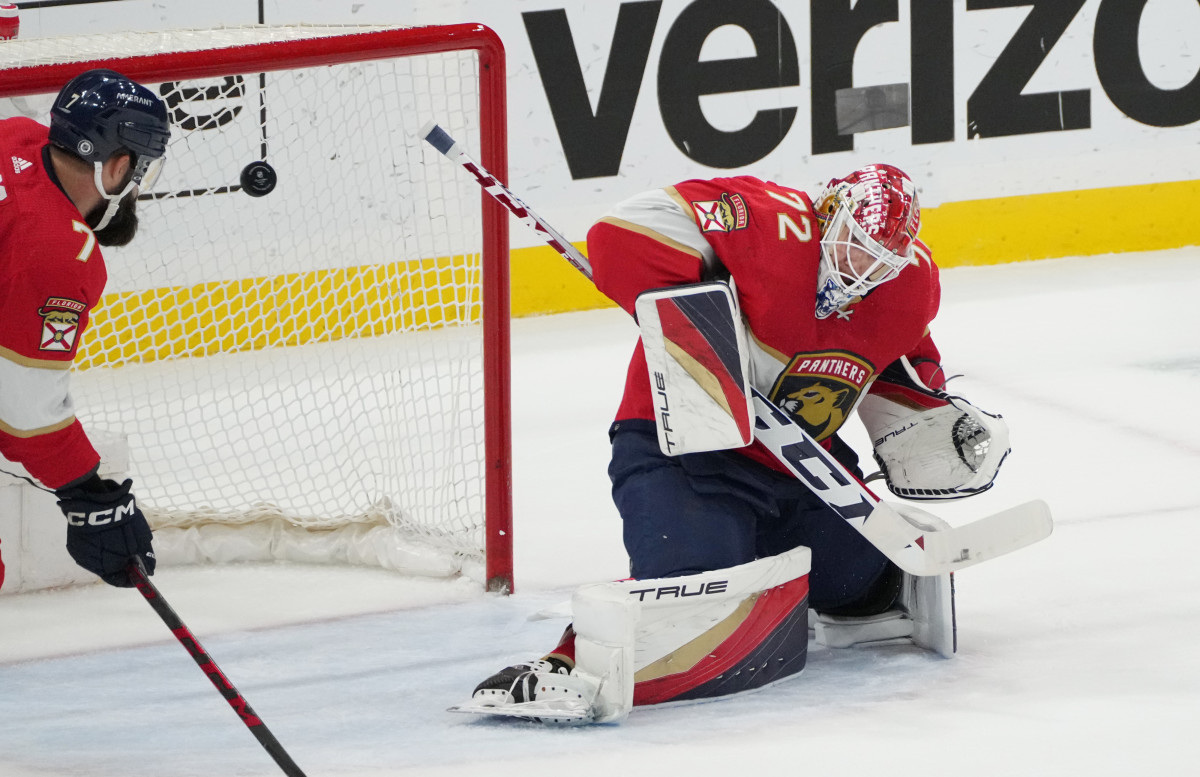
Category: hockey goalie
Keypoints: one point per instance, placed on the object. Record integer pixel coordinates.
(824, 307)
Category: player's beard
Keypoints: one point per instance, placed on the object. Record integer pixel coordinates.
(121, 227)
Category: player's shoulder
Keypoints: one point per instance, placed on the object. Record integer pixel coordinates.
(736, 184)
(22, 137)
(31, 193)
(918, 286)
(23, 126)
(739, 198)
(37, 220)
(22, 165)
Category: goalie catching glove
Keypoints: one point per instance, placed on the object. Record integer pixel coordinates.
(929, 444)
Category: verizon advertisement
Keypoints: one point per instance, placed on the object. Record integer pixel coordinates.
(975, 98)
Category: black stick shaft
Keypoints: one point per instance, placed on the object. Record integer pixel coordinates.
(209, 667)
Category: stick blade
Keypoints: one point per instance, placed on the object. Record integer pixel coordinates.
(990, 537)
(922, 545)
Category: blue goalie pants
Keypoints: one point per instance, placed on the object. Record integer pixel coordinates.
(700, 512)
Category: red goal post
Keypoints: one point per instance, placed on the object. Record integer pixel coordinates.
(222, 306)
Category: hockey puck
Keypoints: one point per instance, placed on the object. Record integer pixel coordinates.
(258, 179)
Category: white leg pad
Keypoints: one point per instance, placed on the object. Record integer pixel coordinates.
(929, 602)
(685, 638)
(604, 621)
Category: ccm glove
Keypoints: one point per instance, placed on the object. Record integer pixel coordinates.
(105, 529)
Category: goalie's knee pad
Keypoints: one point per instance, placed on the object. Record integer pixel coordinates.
(693, 637)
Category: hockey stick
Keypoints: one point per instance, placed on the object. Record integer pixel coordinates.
(902, 532)
(137, 573)
(898, 531)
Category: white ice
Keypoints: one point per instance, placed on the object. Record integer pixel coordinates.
(1078, 656)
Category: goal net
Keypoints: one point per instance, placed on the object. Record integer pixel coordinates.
(318, 373)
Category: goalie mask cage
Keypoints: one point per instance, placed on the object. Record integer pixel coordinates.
(320, 373)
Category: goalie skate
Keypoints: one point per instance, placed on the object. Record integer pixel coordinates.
(561, 712)
(542, 691)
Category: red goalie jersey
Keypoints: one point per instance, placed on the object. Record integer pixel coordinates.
(51, 275)
(765, 237)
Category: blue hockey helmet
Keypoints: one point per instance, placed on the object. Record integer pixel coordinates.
(101, 112)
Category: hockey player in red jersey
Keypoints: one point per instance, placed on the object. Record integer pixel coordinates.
(836, 296)
(66, 190)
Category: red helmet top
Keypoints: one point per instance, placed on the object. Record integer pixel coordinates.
(882, 200)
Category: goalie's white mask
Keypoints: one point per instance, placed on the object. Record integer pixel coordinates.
(869, 220)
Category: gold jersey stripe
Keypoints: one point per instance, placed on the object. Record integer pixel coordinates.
(25, 434)
(680, 200)
(25, 361)
(650, 233)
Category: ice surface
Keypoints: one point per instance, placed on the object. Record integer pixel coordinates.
(1077, 656)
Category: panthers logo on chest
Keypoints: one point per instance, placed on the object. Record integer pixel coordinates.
(819, 389)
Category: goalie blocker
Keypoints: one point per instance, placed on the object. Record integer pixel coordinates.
(699, 364)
